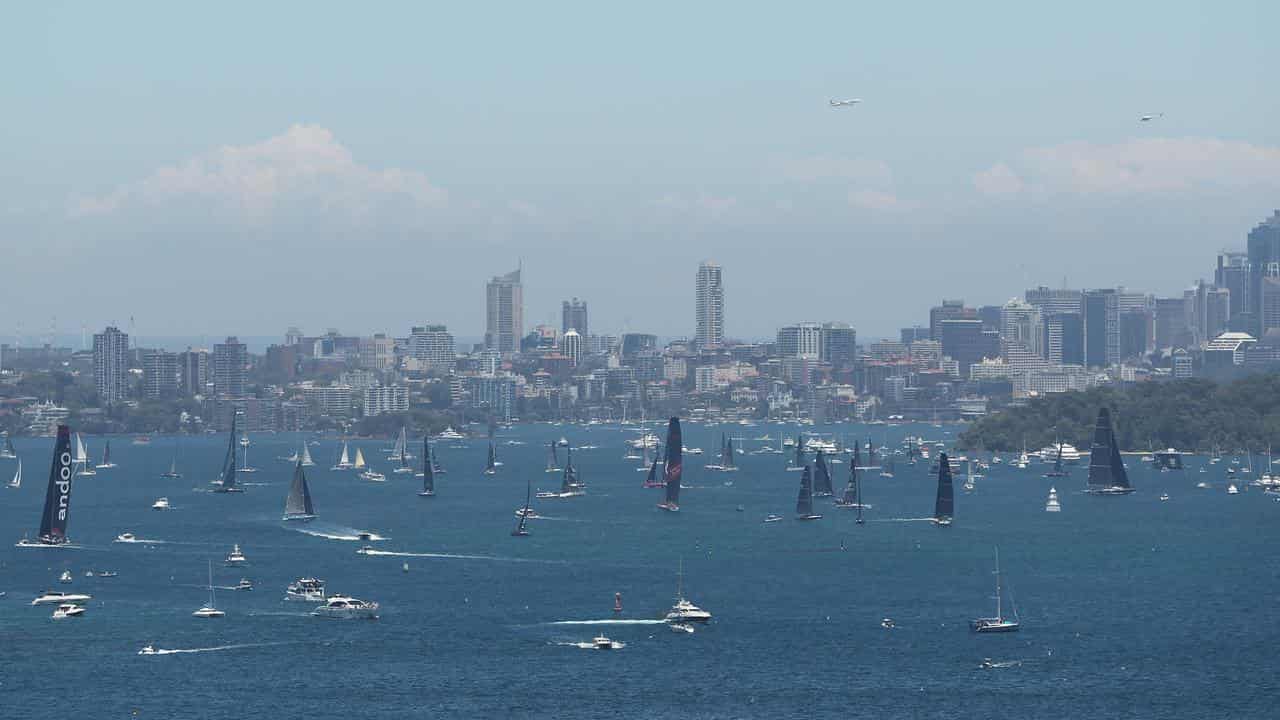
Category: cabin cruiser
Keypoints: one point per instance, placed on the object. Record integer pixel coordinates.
(208, 612)
(160, 504)
(365, 550)
(691, 451)
(600, 642)
(67, 610)
(528, 513)
(373, 476)
(1202, 485)
(562, 442)
(887, 623)
(771, 518)
(56, 596)
(235, 557)
(307, 589)
(1164, 497)
(103, 574)
(148, 649)
(451, 434)
(1070, 454)
(126, 537)
(65, 577)
(342, 607)
(1232, 489)
(244, 584)
(679, 627)
(648, 440)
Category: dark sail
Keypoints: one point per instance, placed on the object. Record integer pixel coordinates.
(822, 478)
(57, 499)
(9, 450)
(850, 496)
(1057, 460)
(799, 460)
(428, 469)
(651, 479)
(492, 463)
(804, 502)
(298, 503)
(569, 481)
(524, 515)
(675, 462)
(552, 459)
(1106, 470)
(946, 502)
(106, 453)
(229, 462)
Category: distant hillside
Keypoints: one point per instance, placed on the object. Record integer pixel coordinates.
(1185, 414)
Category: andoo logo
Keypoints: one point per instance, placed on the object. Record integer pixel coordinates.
(64, 484)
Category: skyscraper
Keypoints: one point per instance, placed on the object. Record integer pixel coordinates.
(573, 316)
(1172, 329)
(1101, 328)
(964, 341)
(111, 365)
(504, 313)
(709, 310)
(573, 346)
(1232, 274)
(193, 371)
(1020, 325)
(948, 310)
(1064, 338)
(434, 347)
(839, 344)
(800, 340)
(160, 374)
(230, 366)
(1264, 261)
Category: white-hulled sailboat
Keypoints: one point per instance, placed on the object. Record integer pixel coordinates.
(344, 460)
(16, 482)
(82, 458)
(297, 506)
(106, 463)
(210, 611)
(999, 623)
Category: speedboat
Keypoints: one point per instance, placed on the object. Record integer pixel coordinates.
(55, 596)
(373, 476)
(1164, 497)
(679, 627)
(342, 607)
(307, 589)
(1202, 485)
(1232, 489)
(365, 550)
(208, 612)
(160, 504)
(772, 518)
(692, 451)
(244, 584)
(65, 577)
(107, 573)
(67, 610)
(562, 442)
(600, 642)
(235, 557)
(148, 649)
(528, 513)
(887, 623)
(126, 537)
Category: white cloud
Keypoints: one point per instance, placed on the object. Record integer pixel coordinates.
(304, 166)
(875, 200)
(1148, 166)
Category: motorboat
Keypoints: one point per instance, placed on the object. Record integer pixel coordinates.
(528, 513)
(1202, 485)
(244, 584)
(307, 589)
(600, 642)
(365, 550)
(148, 649)
(67, 610)
(160, 504)
(451, 434)
(772, 518)
(235, 557)
(680, 627)
(887, 623)
(126, 537)
(1164, 497)
(65, 577)
(105, 574)
(55, 596)
(692, 451)
(1232, 489)
(685, 611)
(342, 607)
(373, 476)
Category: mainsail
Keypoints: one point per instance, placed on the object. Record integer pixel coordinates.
(822, 478)
(521, 530)
(344, 460)
(675, 465)
(1106, 468)
(491, 465)
(359, 464)
(57, 499)
(569, 482)
(298, 505)
(799, 459)
(82, 456)
(16, 482)
(726, 452)
(651, 480)
(428, 472)
(106, 454)
(306, 455)
(553, 461)
(945, 505)
(850, 496)
(229, 462)
(804, 502)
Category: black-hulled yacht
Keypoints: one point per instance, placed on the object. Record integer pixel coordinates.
(945, 504)
(1107, 475)
(57, 498)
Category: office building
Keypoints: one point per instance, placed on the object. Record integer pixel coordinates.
(1263, 248)
(1054, 302)
(633, 344)
(111, 365)
(1232, 275)
(1135, 337)
(1269, 306)
(965, 342)
(1101, 328)
(915, 332)
(573, 316)
(504, 313)
(1020, 324)
(376, 353)
(709, 306)
(1171, 328)
(230, 367)
(839, 344)
(1063, 342)
(160, 375)
(948, 310)
(800, 340)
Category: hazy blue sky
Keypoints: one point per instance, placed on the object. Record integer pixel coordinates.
(243, 167)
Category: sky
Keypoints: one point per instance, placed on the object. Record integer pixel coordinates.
(238, 168)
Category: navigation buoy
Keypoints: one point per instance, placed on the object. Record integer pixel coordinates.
(617, 602)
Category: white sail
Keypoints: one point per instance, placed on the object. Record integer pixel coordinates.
(359, 465)
(16, 482)
(81, 455)
(345, 460)
(306, 456)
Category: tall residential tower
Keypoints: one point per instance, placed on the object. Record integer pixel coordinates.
(504, 313)
(709, 306)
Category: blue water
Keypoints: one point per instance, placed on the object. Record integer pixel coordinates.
(1131, 607)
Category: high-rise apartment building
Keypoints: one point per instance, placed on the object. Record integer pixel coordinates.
(948, 310)
(1101, 313)
(709, 306)
(193, 371)
(573, 316)
(839, 344)
(160, 376)
(504, 313)
(434, 347)
(1020, 325)
(111, 365)
(572, 346)
(800, 340)
(230, 368)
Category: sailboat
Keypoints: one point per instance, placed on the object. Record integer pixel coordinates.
(1058, 469)
(852, 498)
(797, 462)
(298, 505)
(244, 450)
(172, 473)
(521, 525)
(822, 478)
(674, 468)
(306, 455)
(887, 470)
(435, 463)
(726, 461)
(227, 481)
(106, 463)
(82, 458)
(651, 480)
(553, 460)
(968, 479)
(570, 485)
(999, 623)
(359, 464)
(57, 499)
(404, 457)
(428, 472)
(344, 459)
(945, 504)
(8, 452)
(1052, 504)
(804, 501)
(1107, 475)
(16, 482)
(491, 465)
(1023, 460)
(211, 611)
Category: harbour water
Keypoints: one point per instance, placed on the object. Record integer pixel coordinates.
(1130, 606)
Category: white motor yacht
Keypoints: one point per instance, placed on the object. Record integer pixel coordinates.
(126, 537)
(373, 476)
(160, 504)
(685, 611)
(244, 584)
(342, 607)
(1164, 497)
(772, 518)
(67, 610)
(1232, 489)
(451, 434)
(235, 557)
(307, 589)
(148, 649)
(55, 596)
(600, 642)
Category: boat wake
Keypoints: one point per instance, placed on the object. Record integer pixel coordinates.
(608, 621)
(591, 646)
(140, 541)
(216, 648)
(922, 519)
(337, 532)
(455, 556)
